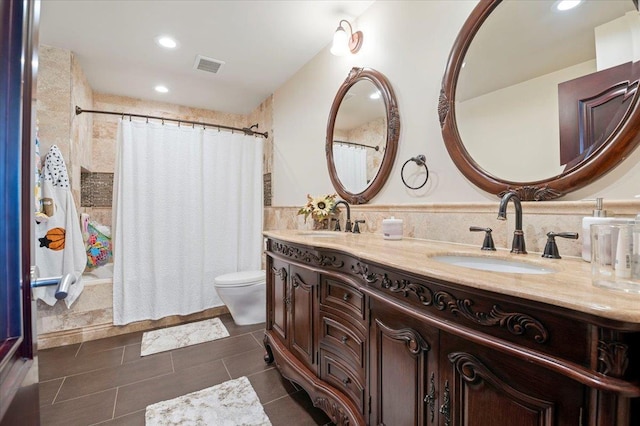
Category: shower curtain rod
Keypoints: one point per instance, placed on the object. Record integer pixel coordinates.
(245, 130)
(377, 148)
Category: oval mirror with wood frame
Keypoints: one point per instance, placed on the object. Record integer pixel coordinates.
(541, 102)
(362, 135)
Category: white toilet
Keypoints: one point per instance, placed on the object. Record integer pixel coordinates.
(245, 294)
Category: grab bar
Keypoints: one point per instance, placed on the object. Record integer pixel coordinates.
(63, 282)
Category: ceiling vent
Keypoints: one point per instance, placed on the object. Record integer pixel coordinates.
(207, 64)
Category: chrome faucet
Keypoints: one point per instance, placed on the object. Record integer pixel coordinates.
(347, 225)
(518, 245)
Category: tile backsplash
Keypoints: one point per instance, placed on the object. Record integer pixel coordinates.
(96, 189)
(451, 221)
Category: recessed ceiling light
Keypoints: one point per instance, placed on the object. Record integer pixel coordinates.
(161, 89)
(166, 41)
(567, 4)
(375, 95)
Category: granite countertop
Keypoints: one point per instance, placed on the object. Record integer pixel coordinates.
(569, 287)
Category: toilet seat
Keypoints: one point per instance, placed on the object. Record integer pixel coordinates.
(240, 279)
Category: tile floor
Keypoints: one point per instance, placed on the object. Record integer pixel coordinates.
(106, 382)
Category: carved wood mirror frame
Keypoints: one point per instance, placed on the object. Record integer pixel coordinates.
(611, 153)
(393, 133)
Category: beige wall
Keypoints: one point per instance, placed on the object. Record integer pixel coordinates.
(408, 41)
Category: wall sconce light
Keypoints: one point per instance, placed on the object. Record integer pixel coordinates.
(344, 43)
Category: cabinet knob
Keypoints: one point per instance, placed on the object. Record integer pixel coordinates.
(346, 380)
(344, 339)
(345, 297)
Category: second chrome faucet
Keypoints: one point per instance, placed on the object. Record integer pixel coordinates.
(518, 245)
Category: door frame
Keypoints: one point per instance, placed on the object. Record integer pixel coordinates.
(18, 39)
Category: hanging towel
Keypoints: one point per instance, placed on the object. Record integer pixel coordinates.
(37, 186)
(59, 245)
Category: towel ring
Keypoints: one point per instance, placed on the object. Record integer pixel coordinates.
(420, 160)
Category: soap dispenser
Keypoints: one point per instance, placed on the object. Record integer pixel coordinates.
(599, 216)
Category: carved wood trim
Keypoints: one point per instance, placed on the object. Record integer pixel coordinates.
(443, 107)
(306, 256)
(413, 341)
(333, 410)
(296, 280)
(533, 193)
(468, 369)
(515, 322)
(282, 273)
(613, 358)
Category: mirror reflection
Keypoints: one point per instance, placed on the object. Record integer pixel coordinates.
(359, 136)
(522, 78)
(362, 135)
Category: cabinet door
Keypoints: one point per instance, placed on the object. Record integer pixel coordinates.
(403, 372)
(278, 299)
(304, 286)
(483, 387)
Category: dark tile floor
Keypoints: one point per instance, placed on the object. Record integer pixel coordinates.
(106, 382)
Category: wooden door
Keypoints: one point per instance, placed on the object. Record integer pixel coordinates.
(304, 288)
(278, 299)
(18, 388)
(403, 373)
(487, 388)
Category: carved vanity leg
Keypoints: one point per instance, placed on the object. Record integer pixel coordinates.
(268, 355)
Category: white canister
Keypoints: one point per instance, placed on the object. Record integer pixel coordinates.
(392, 228)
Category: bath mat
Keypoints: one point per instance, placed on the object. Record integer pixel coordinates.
(230, 403)
(166, 339)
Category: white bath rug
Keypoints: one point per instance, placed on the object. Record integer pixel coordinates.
(231, 403)
(166, 339)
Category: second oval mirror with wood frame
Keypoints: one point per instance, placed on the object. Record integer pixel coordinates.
(541, 102)
(362, 135)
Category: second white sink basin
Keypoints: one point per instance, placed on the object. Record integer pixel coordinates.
(493, 264)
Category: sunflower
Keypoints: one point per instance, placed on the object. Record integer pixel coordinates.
(319, 207)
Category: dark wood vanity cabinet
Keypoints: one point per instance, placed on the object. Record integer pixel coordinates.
(291, 309)
(373, 345)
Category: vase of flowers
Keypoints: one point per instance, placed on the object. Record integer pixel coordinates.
(320, 208)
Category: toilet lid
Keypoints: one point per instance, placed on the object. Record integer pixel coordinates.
(239, 279)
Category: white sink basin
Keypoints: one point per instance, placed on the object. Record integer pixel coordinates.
(493, 264)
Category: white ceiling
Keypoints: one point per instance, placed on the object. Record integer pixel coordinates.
(262, 42)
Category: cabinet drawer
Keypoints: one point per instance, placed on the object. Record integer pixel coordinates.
(336, 372)
(345, 339)
(343, 297)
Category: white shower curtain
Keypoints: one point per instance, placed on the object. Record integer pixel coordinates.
(351, 164)
(188, 207)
